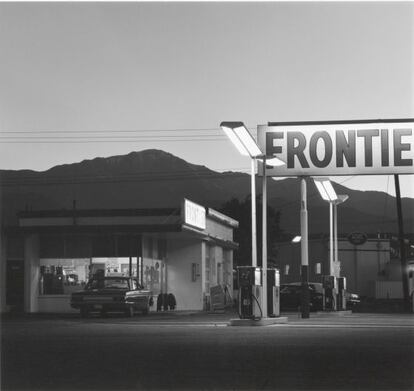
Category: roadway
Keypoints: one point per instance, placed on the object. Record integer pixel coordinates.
(200, 352)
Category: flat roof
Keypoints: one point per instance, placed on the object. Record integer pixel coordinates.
(100, 212)
(95, 221)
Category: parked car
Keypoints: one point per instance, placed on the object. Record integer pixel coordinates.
(352, 299)
(112, 294)
(290, 295)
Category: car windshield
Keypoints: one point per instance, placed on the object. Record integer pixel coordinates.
(295, 289)
(318, 288)
(290, 289)
(108, 283)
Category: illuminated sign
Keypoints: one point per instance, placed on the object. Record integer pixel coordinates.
(340, 148)
(194, 214)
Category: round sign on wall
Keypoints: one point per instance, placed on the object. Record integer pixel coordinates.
(357, 238)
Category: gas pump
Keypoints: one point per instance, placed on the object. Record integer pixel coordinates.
(329, 287)
(341, 293)
(273, 293)
(250, 285)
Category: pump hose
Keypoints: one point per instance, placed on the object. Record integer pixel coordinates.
(238, 304)
(260, 308)
(257, 301)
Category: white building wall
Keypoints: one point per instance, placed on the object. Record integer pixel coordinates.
(228, 270)
(230, 275)
(203, 268)
(213, 263)
(55, 304)
(181, 254)
(218, 230)
(218, 256)
(363, 264)
(387, 290)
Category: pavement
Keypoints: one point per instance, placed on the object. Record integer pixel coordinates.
(223, 319)
(200, 351)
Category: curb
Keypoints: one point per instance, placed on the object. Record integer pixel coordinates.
(258, 322)
(333, 313)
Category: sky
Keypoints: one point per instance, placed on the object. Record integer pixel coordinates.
(85, 80)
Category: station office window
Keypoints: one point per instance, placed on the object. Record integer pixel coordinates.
(62, 276)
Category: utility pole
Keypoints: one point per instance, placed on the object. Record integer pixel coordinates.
(264, 240)
(304, 251)
(253, 196)
(404, 270)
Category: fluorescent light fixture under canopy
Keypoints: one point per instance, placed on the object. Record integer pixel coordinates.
(241, 138)
(274, 162)
(341, 198)
(326, 189)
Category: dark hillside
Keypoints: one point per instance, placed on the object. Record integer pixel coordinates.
(154, 178)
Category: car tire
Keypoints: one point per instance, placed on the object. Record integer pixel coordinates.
(84, 312)
(129, 312)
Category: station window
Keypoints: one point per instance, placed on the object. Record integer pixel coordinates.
(62, 276)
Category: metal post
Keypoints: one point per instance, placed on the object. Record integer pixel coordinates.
(335, 271)
(130, 257)
(404, 270)
(253, 195)
(264, 240)
(304, 251)
(335, 218)
(331, 240)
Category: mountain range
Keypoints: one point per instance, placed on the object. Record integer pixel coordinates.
(154, 178)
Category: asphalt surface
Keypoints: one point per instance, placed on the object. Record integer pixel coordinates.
(177, 351)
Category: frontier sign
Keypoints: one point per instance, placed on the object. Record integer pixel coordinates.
(339, 147)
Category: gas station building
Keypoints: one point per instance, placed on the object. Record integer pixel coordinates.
(372, 268)
(184, 251)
